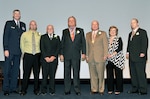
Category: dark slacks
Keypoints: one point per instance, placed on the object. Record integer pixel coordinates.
(11, 72)
(49, 70)
(31, 61)
(138, 76)
(113, 71)
(75, 65)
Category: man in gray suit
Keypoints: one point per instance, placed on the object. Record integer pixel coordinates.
(96, 54)
(72, 46)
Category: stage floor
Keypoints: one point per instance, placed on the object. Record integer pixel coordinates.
(85, 94)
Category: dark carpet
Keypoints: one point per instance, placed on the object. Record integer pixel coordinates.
(85, 94)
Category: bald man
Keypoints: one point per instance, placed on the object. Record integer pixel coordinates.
(96, 53)
(137, 55)
(30, 47)
(50, 48)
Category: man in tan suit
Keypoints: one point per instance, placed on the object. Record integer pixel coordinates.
(97, 49)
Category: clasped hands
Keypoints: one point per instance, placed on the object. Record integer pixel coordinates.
(50, 59)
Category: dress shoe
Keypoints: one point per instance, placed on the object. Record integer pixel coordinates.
(43, 93)
(37, 93)
(52, 93)
(142, 93)
(101, 93)
(22, 93)
(6, 93)
(117, 93)
(78, 93)
(132, 92)
(110, 92)
(92, 92)
(67, 93)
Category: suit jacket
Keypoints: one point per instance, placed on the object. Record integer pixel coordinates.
(49, 47)
(73, 49)
(97, 50)
(138, 44)
(11, 37)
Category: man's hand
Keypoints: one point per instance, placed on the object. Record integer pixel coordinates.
(127, 56)
(61, 58)
(6, 53)
(47, 59)
(105, 57)
(83, 57)
(52, 58)
(142, 55)
(87, 59)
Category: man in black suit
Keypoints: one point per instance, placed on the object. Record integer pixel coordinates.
(11, 43)
(137, 54)
(50, 48)
(72, 45)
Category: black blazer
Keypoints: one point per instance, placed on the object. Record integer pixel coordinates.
(73, 49)
(11, 37)
(49, 47)
(138, 44)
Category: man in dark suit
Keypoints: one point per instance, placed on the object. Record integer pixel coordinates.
(137, 54)
(72, 45)
(50, 48)
(11, 43)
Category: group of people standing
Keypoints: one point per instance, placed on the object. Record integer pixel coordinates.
(96, 48)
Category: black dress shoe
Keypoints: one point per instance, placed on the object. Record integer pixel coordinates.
(67, 93)
(101, 93)
(22, 93)
(6, 93)
(132, 92)
(142, 93)
(92, 93)
(37, 93)
(78, 93)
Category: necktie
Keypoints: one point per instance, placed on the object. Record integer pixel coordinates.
(72, 35)
(33, 44)
(18, 24)
(93, 36)
(133, 33)
(51, 36)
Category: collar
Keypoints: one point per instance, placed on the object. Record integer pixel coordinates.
(95, 31)
(16, 21)
(50, 35)
(135, 30)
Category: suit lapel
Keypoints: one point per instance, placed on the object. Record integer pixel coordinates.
(68, 34)
(90, 36)
(136, 33)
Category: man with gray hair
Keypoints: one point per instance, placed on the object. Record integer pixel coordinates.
(96, 55)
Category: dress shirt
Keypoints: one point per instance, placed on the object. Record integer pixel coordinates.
(26, 42)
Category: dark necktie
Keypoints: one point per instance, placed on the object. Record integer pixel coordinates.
(18, 24)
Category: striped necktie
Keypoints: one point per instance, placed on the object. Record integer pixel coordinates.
(33, 44)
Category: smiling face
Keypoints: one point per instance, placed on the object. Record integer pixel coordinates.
(113, 31)
(71, 22)
(94, 25)
(33, 25)
(50, 29)
(134, 24)
(16, 15)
